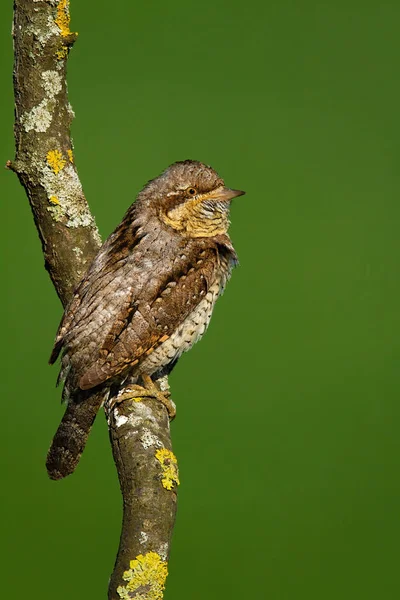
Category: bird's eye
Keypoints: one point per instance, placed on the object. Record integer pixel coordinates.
(191, 191)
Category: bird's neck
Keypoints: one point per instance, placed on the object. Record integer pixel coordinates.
(202, 220)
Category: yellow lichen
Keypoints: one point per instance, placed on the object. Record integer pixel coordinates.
(54, 200)
(169, 466)
(63, 19)
(70, 156)
(55, 160)
(146, 578)
(62, 53)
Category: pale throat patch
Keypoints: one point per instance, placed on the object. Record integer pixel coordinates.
(199, 217)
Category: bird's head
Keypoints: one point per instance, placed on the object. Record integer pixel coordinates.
(191, 198)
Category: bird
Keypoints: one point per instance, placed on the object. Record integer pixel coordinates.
(146, 298)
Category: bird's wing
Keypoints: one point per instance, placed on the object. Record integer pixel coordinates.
(63, 327)
(111, 255)
(153, 317)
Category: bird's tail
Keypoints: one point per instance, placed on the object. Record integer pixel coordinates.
(71, 436)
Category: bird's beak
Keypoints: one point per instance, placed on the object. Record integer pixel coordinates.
(226, 194)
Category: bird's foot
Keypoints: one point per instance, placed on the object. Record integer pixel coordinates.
(148, 390)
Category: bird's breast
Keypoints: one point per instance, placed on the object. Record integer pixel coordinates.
(185, 335)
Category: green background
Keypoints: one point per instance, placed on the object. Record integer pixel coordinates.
(288, 413)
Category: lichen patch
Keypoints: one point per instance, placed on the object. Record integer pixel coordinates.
(38, 118)
(120, 420)
(62, 53)
(56, 212)
(55, 160)
(143, 537)
(42, 32)
(52, 83)
(63, 18)
(148, 439)
(145, 578)
(163, 550)
(70, 111)
(169, 466)
(65, 185)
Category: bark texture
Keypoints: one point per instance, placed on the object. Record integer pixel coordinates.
(139, 432)
(44, 163)
(44, 158)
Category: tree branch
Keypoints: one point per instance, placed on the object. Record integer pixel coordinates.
(148, 476)
(44, 163)
(44, 158)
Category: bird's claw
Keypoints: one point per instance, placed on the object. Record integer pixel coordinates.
(148, 390)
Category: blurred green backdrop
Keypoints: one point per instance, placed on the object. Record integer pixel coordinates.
(288, 411)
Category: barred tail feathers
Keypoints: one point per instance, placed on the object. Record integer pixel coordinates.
(71, 436)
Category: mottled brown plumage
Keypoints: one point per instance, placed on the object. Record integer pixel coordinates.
(146, 298)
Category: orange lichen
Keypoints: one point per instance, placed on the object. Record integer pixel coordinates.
(54, 200)
(63, 18)
(169, 466)
(145, 578)
(62, 53)
(70, 156)
(55, 160)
